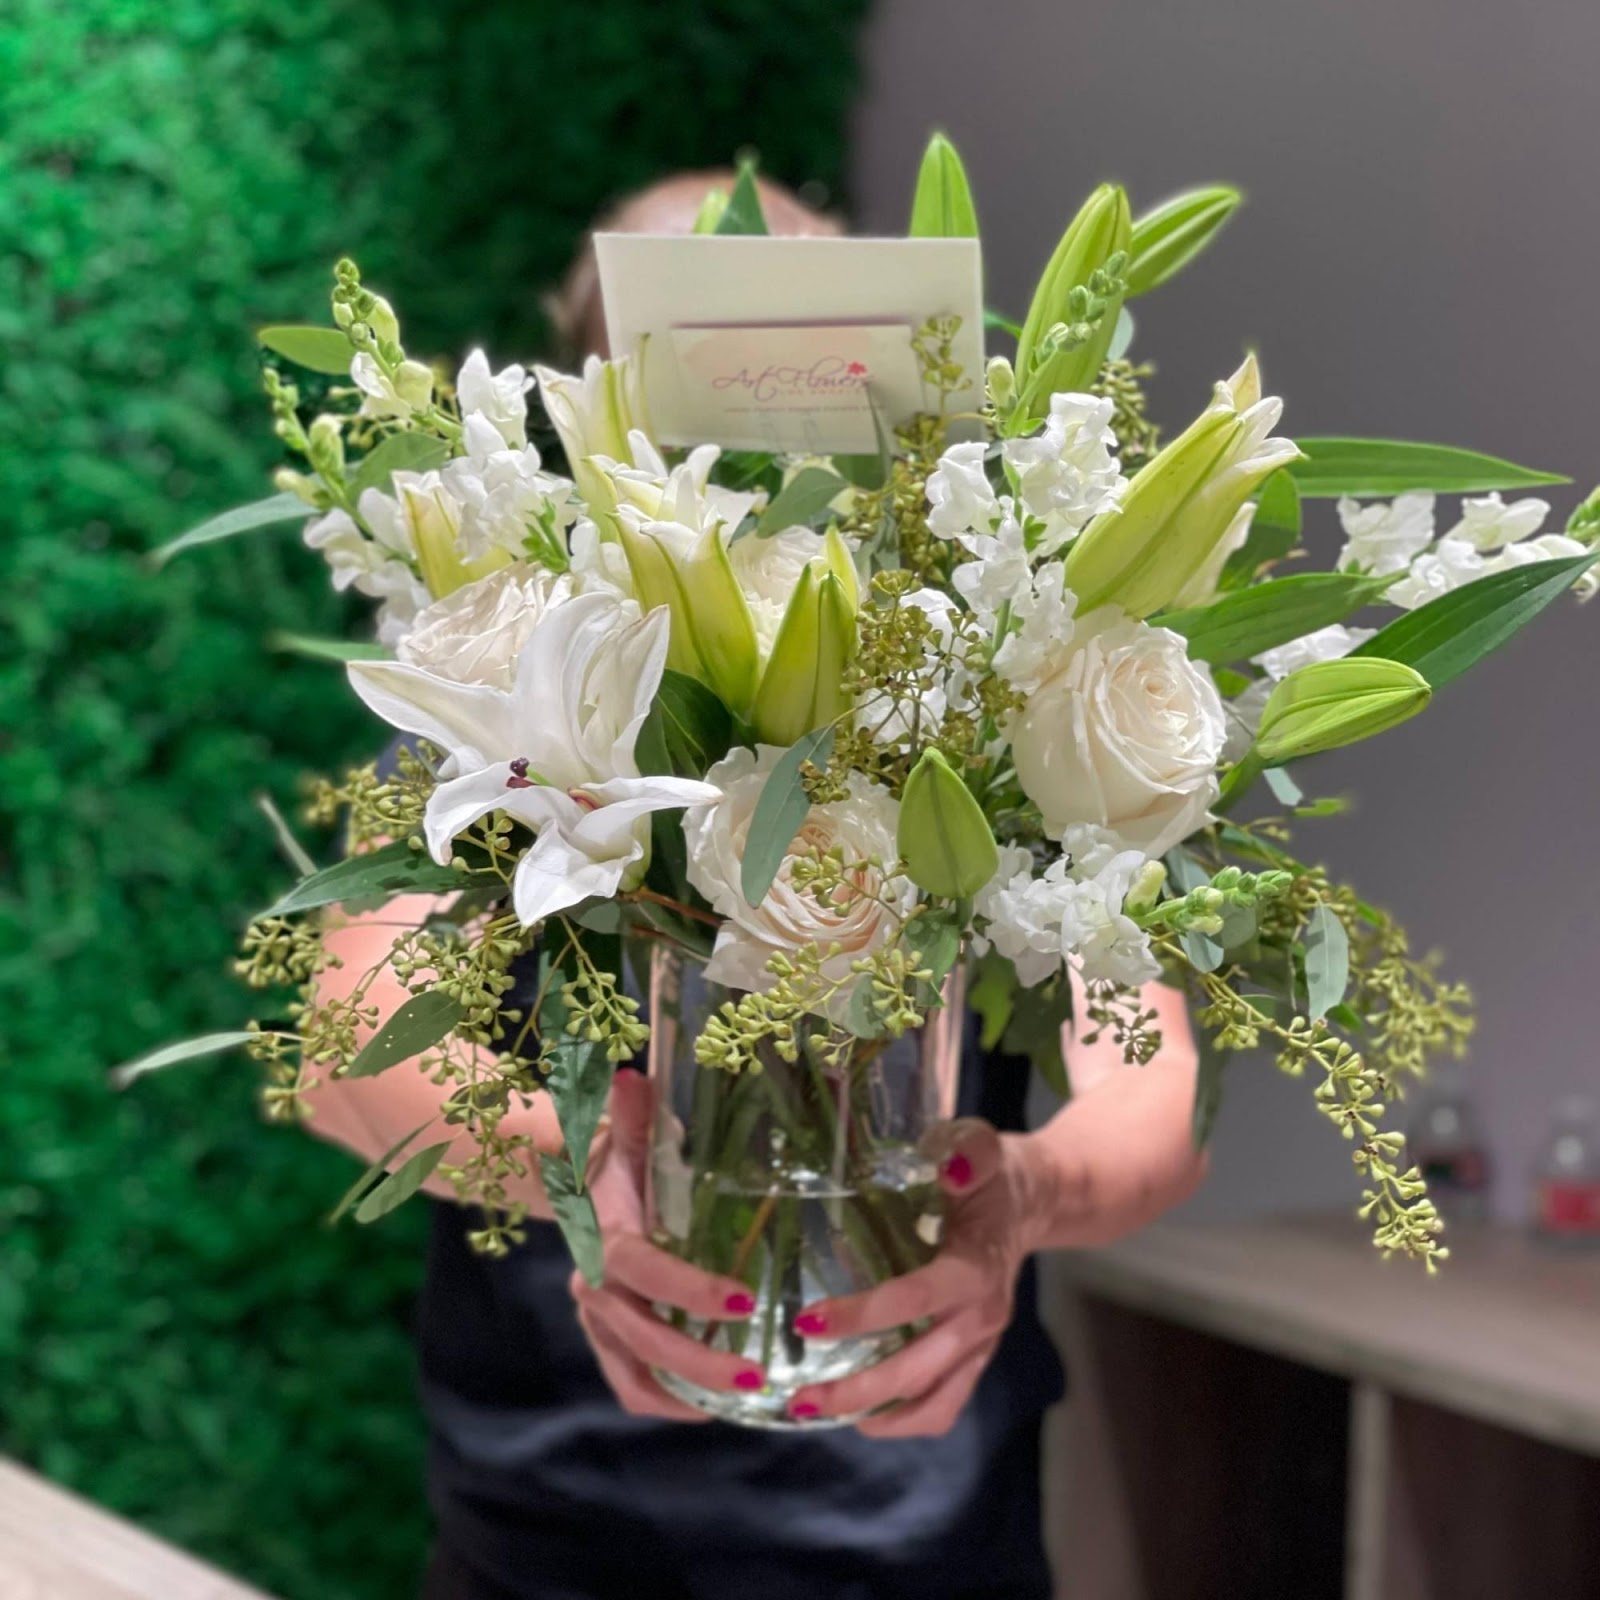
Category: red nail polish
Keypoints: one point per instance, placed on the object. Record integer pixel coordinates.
(749, 1379)
(739, 1305)
(801, 1410)
(958, 1171)
(811, 1323)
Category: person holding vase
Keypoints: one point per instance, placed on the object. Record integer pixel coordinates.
(561, 1468)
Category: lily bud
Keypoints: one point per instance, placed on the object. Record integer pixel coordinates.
(1183, 504)
(944, 839)
(1099, 232)
(434, 520)
(942, 206)
(1334, 703)
(593, 416)
(803, 686)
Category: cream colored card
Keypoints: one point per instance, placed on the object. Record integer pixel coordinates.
(789, 344)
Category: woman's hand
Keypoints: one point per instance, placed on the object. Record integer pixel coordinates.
(627, 1336)
(993, 1191)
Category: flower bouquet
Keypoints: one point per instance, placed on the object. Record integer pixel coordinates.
(777, 765)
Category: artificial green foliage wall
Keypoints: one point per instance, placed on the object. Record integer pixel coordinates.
(178, 1337)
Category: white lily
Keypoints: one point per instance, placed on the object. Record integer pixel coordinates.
(555, 751)
(593, 414)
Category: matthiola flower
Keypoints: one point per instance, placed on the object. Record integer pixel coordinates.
(1488, 522)
(371, 567)
(498, 397)
(504, 500)
(864, 826)
(1069, 473)
(1383, 536)
(555, 750)
(1042, 630)
(1547, 547)
(1126, 734)
(960, 497)
(1326, 644)
(1451, 563)
(1001, 571)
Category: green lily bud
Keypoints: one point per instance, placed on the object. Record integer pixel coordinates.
(803, 687)
(713, 635)
(942, 206)
(1183, 504)
(1334, 703)
(434, 522)
(1098, 233)
(944, 839)
(711, 211)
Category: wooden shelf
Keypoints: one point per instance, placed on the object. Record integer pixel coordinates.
(1272, 1410)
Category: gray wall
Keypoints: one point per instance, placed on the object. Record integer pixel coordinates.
(1417, 258)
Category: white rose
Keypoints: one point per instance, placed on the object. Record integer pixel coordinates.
(498, 396)
(476, 634)
(1126, 734)
(862, 826)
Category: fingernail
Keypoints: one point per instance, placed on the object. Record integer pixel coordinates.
(749, 1379)
(958, 1171)
(803, 1409)
(739, 1305)
(811, 1323)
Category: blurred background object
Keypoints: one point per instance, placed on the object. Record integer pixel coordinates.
(179, 1339)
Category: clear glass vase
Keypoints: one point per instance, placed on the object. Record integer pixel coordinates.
(804, 1180)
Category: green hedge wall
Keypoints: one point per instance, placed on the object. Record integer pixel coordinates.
(179, 1338)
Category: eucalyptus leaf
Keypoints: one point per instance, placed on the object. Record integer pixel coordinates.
(1327, 948)
(780, 813)
(294, 852)
(991, 994)
(1445, 637)
(1121, 335)
(1391, 466)
(301, 644)
(805, 496)
(1171, 235)
(417, 1025)
(406, 451)
(373, 1173)
(1285, 790)
(401, 1184)
(316, 349)
(1247, 621)
(936, 942)
(390, 870)
(1205, 953)
(1034, 1029)
(274, 509)
(579, 1082)
(575, 1216)
(169, 1055)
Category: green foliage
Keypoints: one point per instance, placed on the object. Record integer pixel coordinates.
(181, 1339)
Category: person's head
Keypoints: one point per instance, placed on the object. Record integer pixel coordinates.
(669, 206)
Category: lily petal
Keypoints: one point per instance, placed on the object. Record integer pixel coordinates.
(454, 806)
(555, 874)
(467, 719)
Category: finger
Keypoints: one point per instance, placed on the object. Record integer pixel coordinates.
(637, 1389)
(634, 1263)
(937, 1411)
(618, 1177)
(947, 1283)
(968, 1153)
(657, 1345)
(907, 1374)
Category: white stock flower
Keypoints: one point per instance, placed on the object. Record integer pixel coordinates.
(1001, 571)
(1109, 945)
(1070, 472)
(863, 826)
(1326, 644)
(1451, 563)
(1126, 734)
(1488, 522)
(1546, 547)
(499, 397)
(476, 634)
(1382, 536)
(372, 567)
(555, 750)
(960, 497)
(1043, 616)
(502, 492)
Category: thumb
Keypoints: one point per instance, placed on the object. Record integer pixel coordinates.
(968, 1153)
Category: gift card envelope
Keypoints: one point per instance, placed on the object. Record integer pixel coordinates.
(804, 345)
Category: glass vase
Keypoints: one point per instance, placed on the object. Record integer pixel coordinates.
(806, 1180)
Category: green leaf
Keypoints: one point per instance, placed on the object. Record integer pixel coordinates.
(579, 1082)
(372, 1174)
(743, 212)
(1037, 1017)
(1446, 636)
(400, 1185)
(805, 496)
(575, 1216)
(169, 1055)
(316, 349)
(1262, 546)
(942, 206)
(1327, 949)
(780, 813)
(1278, 504)
(1174, 233)
(1247, 621)
(936, 942)
(1121, 335)
(1208, 1089)
(391, 870)
(1001, 323)
(1391, 466)
(406, 451)
(686, 730)
(301, 644)
(258, 514)
(422, 1021)
(991, 994)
